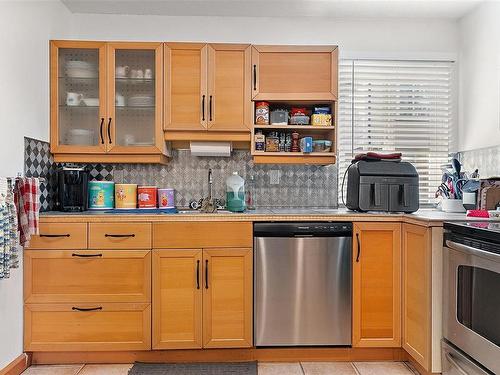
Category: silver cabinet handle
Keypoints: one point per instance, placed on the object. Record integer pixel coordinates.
(454, 363)
(472, 251)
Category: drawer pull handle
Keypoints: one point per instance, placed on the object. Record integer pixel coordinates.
(55, 235)
(86, 309)
(206, 273)
(119, 235)
(86, 255)
(359, 248)
(198, 274)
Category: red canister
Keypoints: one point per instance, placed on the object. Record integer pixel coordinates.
(146, 196)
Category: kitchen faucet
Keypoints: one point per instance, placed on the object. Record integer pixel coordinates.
(208, 205)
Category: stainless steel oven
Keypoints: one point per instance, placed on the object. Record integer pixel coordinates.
(471, 290)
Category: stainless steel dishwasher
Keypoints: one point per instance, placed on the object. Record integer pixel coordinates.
(302, 284)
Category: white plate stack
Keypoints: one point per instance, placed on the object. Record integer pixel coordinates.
(81, 69)
(141, 101)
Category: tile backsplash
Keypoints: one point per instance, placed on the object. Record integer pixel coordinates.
(299, 185)
(487, 160)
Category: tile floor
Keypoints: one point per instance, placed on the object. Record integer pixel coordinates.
(265, 368)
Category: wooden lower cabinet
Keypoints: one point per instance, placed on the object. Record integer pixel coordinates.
(87, 327)
(202, 298)
(377, 285)
(417, 293)
(177, 299)
(52, 276)
(227, 298)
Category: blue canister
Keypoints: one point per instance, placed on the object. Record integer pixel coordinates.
(101, 195)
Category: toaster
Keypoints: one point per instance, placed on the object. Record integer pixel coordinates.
(388, 186)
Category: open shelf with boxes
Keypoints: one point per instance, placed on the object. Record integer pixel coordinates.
(281, 127)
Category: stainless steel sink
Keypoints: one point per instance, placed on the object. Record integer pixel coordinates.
(184, 212)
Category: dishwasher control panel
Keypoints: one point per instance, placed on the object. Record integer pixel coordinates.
(294, 229)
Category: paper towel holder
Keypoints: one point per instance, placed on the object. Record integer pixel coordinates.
(217, 149)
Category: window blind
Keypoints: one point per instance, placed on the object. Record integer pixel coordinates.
(397, 106)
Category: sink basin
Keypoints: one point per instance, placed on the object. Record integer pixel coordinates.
(184, 212)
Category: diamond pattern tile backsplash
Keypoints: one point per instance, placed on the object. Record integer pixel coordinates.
(38, 162)
(299, 186)
(487, 160)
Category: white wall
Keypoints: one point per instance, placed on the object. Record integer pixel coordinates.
(479, 107)
(370, 37)
(25, 28)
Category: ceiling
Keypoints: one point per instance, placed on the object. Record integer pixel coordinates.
(453, 9)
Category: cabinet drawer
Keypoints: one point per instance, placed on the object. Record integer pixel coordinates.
(108, 326)
(120, 236)
(87, 276)
(182, 235)
(60, 236)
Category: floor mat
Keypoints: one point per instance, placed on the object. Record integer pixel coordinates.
(239, 368)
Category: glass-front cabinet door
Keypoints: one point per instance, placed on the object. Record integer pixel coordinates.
(78, 96)
(134, 122)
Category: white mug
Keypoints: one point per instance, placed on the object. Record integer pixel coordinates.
(148, 74)
(119, 100)
(140, 73)
(133, 73)
(73, 98)
(122, 71)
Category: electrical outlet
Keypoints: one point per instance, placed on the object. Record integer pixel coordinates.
(274, 177)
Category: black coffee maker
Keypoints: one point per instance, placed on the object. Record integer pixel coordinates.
(73, 184)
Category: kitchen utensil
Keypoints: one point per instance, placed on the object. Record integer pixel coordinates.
(101, 195)
(148, 74)
(146, 197)
(125, 196)
(166, 198)
(457, 167)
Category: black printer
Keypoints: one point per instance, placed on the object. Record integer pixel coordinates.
(374, 184)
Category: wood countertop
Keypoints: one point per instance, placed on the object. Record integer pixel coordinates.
(424, 217)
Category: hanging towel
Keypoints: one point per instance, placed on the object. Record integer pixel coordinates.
(27, 200)
(8, 229)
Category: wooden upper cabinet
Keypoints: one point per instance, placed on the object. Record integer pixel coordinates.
(77, 96)
(177, 299)
(417, 249)
(227, 298)
(186, 101)
(377, 285)
(229, 102)
(294, 73)
(134, 124)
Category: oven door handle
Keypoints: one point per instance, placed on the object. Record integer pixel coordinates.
(473, 251)
(455, 364)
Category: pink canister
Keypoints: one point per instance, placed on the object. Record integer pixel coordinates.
(146, 196)
(166, 198)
